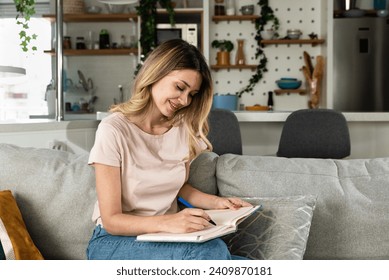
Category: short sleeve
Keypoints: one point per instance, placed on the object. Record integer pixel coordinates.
(106, 149)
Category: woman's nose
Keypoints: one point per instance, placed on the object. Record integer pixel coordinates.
(183, 99)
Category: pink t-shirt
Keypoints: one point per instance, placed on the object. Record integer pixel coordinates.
(152, 166)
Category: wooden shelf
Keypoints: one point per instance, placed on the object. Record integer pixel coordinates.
(183, 11)
(287, 91)
(252, 18)
(75, 52)
(95, 17)
(240, 67)
(313, 42)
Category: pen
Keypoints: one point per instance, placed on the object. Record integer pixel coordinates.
(187, 204)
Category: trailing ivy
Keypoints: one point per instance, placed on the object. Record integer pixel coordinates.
(147, 11)
(25, 10)
(266, 16)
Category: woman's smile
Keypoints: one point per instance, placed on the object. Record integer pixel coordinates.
(176, 90)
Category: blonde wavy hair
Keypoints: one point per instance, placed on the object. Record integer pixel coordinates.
(167, 57)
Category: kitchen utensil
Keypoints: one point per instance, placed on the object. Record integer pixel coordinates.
(307, 74)
(90, 84)
(308, 63)
(83, 81)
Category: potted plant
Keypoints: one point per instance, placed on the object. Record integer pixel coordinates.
(25, 9)
(223, 55)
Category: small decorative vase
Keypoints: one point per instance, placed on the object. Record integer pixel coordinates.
(240, 58)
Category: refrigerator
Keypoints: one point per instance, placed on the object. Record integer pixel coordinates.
(361, 64)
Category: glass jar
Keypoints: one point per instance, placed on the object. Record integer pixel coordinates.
(104, 39)
(220, 8)
(230, 7)
(80, 43)
(67, 43)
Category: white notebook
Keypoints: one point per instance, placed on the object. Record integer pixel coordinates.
(226, 220)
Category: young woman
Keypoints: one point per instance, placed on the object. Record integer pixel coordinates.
(141, 157)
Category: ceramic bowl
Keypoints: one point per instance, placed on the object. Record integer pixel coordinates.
(267, 34)
(93, 9)
(293, 33)
(247, 9)
(116, 8)
(288, 83)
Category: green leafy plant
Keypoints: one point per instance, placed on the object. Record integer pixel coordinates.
(147, 11)
(267, 16)
(223, 45)
(25, 10)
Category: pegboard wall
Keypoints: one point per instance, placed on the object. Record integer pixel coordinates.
(283, 60)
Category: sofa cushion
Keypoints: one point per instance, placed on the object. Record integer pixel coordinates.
(351, 219)
(55, 191)
(15, 241)
(279, 231)
(202, 172)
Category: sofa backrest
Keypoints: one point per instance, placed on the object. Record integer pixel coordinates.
(55, 192)
(351, 218)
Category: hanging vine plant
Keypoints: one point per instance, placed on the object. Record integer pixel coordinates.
(25, 10)
(147, 11)
(266, 16)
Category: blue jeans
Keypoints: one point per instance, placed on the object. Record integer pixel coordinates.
(104, 246)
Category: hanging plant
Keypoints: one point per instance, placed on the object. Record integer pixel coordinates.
(147, 11)
(266, 16)
(25, 10)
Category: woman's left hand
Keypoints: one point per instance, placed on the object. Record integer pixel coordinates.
(230, 202)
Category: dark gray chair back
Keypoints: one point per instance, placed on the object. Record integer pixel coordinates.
(315, 133)
(224, 132)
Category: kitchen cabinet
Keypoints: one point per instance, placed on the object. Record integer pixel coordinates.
(112, 70)
(96, 18)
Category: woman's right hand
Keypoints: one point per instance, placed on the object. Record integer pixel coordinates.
(187, 220)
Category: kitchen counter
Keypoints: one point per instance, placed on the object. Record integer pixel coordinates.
(277, 116)
(45, 124)
(252, 116)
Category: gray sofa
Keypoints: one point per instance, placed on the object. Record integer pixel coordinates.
(312, 208)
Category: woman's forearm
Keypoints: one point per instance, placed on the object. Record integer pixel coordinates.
(197, 198)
